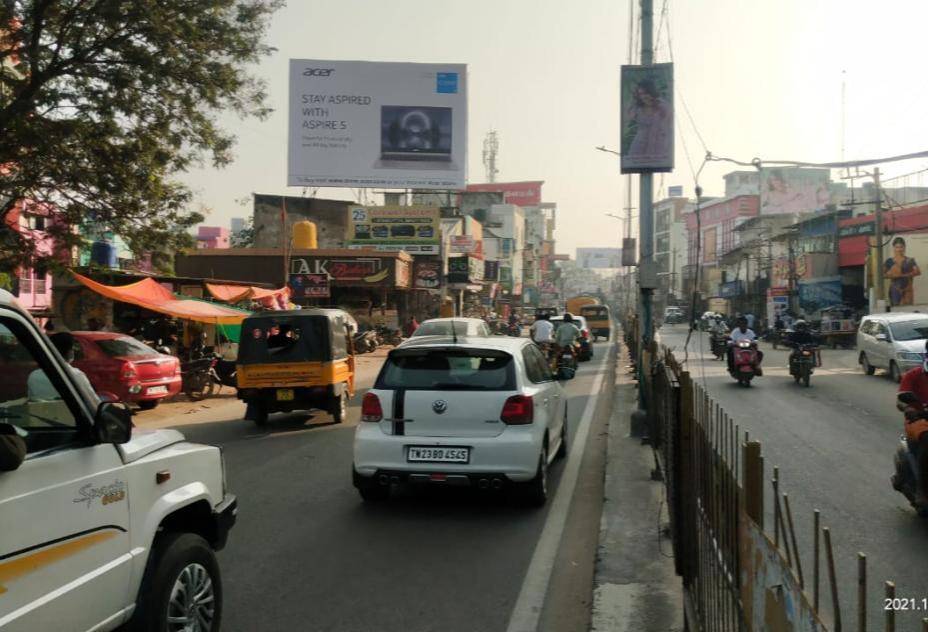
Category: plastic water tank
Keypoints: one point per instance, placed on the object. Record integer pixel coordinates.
(103, 253)
(304, 235)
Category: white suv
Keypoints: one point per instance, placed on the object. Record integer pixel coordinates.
(100, 525)
(481, 412)
(895, 342)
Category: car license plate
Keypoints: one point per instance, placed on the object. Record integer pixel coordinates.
(438, 455)
(284, 394)
(157, 390)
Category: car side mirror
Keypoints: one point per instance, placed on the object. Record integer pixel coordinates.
(113, 423)
(12, 448)
(882, 337)
(107, 396)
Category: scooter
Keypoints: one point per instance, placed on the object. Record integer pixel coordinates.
(365, 341)
(802, 363)
(389, 336)
(744, 362)
(905, 478)
(719, 344)
(515, 330)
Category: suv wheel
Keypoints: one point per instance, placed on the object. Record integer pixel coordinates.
(865, 364)
(182, 589)
(894, 373)
(535, 492)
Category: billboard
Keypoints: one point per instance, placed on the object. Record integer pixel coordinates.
(793, 190)
(352, 271)
(415, 229)
(377, 124)
(903, 282)
(647, 118)
(518, 193)
(599, 257)
(817, 294)
(675, 191)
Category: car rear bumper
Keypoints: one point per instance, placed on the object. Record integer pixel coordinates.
(513, 454)
(172, 384)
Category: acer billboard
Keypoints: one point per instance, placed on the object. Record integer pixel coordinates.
(377, 125)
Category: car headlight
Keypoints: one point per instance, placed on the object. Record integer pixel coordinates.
(911, 357)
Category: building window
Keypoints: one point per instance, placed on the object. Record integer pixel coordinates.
(662, 243)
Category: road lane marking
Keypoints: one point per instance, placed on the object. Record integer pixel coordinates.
(527, 611)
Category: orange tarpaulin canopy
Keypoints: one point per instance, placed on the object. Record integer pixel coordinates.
(238, 293)
(151, 295)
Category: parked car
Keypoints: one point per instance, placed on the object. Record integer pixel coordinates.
(462, 327)
(103, 524)
(484, 413)
(895, 342)
(586, 338)
(130, 369)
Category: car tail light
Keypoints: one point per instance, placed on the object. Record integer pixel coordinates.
(518, 410)
(370, 408)
(128, 371)
(176, 368)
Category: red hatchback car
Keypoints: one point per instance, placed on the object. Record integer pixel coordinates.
(129, 369)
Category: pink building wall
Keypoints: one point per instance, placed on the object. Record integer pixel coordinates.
(213, 237)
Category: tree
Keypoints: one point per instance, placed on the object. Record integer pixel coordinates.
(103, 102)
(245, 238)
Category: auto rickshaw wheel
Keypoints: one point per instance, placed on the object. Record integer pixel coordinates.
(339, 408)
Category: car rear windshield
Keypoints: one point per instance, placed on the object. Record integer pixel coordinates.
(448, 369)
(120, 347)
(270, 340)
(595, 312)
(910, 330)
(442, 328)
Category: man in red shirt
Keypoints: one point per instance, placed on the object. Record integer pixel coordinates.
(916, 423)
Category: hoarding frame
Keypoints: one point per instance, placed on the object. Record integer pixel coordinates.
(646, 137)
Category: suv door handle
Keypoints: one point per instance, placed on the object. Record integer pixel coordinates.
(556, 396)
(545, 401)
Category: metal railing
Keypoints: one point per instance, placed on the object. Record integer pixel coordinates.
(737, 576)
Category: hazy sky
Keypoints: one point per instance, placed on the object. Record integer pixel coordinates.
(761, 78)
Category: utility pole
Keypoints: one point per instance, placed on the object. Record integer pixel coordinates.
(878, 232)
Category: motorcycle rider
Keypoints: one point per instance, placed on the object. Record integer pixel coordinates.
(916, 424)
(739, 333)
(567, 335)
(542, 333)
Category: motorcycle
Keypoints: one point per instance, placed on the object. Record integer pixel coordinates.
(514, 329)
(365, 341)
(744, 362)
(389, 336)
(802, 362)
(222, 373)
(905, 477)
(195, 377)
(566, 364)
(718, 344)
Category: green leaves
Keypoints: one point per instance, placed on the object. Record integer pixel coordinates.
(104, 102)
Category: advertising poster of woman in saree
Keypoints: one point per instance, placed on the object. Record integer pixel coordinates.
(900, 271)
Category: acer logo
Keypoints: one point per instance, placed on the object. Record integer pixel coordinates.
(318, 72)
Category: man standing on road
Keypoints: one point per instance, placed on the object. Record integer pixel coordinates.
(916, 424)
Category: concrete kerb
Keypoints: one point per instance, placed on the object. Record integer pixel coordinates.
(635, 587)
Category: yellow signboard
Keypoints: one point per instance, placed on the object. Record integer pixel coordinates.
(415, 229)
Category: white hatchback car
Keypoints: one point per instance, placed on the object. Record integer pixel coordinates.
(480, 412)
(462, 327)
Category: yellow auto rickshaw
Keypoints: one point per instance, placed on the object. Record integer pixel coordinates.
(295, 360)
(598, 320)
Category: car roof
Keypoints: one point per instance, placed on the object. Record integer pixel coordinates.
(897, 316)
(510, 344)
(9, 301)
(462, 319)
(98, 335)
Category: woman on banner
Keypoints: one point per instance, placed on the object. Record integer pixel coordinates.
(900, 269)
(651, 115)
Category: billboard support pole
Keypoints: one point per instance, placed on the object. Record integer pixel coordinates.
(645, 240)
(878, 210)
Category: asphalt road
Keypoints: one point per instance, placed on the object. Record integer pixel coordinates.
(307, 554)
(834, 444)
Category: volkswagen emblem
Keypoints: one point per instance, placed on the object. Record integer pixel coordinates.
(439, 406)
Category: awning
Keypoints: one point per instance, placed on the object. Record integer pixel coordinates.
(151, 295)
(238, 293)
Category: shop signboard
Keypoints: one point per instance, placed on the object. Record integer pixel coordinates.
(866, 228)
(731, 289)
(342, 271)
(427, 274)
(310, 286)
(463, 244)
(647, 118)
(518, 193)
(474, 269)
(377, 125)
(458, 269)
(819, 293)
(491, 270)
(415, 229)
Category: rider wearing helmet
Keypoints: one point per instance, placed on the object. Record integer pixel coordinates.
(916, 425)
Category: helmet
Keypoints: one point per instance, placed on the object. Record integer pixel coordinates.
(800, 325)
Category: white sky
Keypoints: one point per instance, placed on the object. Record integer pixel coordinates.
(760, 77)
